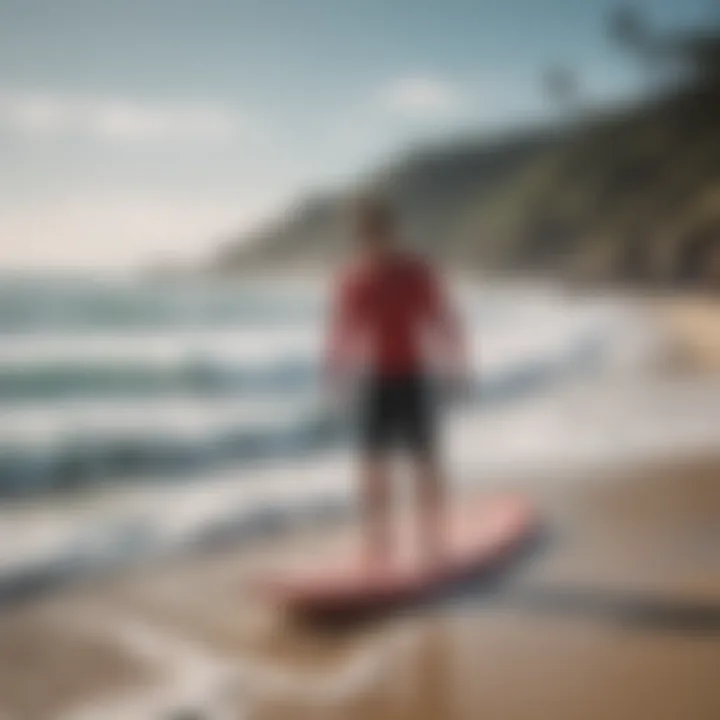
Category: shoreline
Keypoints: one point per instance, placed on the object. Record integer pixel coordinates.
(627, 627)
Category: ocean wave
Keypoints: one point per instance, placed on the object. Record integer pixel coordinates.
(191, 376)
(71, 305)
(162, 403)
(76, 461)
(62, 450)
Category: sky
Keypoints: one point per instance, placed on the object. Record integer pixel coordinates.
(143, 131)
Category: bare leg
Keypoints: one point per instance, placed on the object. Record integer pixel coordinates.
(376, 510)
(432, 503)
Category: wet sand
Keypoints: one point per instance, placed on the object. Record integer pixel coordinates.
(616, 616)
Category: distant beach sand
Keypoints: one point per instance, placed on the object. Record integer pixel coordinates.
(618, 618)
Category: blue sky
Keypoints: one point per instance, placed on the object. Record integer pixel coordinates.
(135, 130)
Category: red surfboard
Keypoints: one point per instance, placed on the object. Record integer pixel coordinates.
(479, 538)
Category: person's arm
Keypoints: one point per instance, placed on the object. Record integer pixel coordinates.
(341, 331)
(446, 326)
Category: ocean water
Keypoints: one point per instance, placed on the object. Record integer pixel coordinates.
(142, 417)
(122, 383)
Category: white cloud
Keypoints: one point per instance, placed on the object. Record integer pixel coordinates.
(422, 97)
(116, 119)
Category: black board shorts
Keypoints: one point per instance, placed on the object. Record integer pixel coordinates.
(397, 412)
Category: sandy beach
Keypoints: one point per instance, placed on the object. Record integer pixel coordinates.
(616, 616)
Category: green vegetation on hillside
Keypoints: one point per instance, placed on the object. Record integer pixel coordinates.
(632, 195)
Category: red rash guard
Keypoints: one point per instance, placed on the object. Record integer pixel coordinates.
(382, 310)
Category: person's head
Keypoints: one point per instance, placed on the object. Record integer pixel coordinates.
(374, 224)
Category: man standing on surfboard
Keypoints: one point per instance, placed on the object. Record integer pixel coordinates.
(389, 311)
